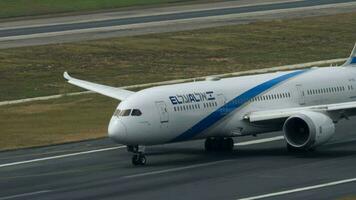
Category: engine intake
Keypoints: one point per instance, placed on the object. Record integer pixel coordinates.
(308, 129)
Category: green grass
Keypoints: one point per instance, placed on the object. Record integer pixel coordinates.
(37, 71)
(56, 121)
(34, 71)
(20, 8)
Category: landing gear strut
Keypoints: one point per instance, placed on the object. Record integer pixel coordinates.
(219, 144)
(139, 157)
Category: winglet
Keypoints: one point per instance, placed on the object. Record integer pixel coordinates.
(66, 75)
(352, 59)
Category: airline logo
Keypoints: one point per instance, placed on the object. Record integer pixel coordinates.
(192, 97)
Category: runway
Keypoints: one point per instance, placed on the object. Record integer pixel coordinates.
(163, 17)
(100, 169)
(45, 31)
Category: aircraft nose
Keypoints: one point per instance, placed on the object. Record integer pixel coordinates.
(117, 130)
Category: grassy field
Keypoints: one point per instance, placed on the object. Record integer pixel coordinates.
(20, 8)
(56, 121)
(34, 71)
(37, 71)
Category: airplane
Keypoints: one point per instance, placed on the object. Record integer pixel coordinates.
(304, 104)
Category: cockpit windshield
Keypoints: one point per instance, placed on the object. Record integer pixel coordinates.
(117, 112)
(136, 112)
(127, 112)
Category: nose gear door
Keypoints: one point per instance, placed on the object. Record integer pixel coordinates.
(163, 112)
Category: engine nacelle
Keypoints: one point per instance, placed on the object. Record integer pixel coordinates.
(308, 129)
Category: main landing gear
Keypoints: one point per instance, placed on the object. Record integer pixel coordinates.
(139, 157)
(219, 144)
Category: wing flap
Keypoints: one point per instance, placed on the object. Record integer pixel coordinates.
(109, 91)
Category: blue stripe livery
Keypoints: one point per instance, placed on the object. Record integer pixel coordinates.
(232, 105)
(353, 60)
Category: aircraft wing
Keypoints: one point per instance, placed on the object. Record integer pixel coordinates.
(340, 110)
(109, 91)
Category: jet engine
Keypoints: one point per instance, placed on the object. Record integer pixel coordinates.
(308, 129)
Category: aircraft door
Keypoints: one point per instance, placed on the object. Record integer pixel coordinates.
(163, 111)
(221, 99)
(300, 94)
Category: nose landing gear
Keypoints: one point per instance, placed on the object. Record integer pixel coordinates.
(139, 157)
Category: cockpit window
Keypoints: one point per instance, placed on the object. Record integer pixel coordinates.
(125, 112)
(117, 112)
(136, 112)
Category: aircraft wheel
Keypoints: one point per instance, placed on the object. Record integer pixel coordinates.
(142, 159)
(135, 160)
(139, 159)
(209, 144)
(228, 144)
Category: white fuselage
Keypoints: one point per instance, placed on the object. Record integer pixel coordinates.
(217, 108)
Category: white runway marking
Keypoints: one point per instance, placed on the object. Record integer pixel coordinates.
(161, 12)
(61, 156)
(120, 147)
(25, 194)
(205, 164)
(176, 169)
(259, 141)
(166, 22)
(301, 189)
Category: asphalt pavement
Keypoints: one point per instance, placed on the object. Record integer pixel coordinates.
(164, 17)
(95, 26)
(101, 169)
